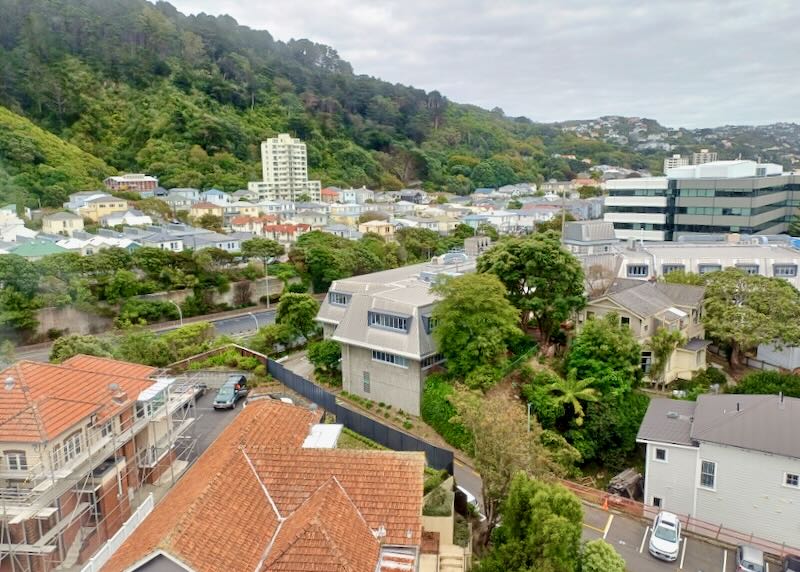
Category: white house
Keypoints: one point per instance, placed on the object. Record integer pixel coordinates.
(131, 217)
(358, 196)
(729, 460)
(215, 197)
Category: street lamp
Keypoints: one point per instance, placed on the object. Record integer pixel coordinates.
(266, 276)
(180, 313)
(252, 315)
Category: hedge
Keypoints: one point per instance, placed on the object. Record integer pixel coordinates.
(437, 411)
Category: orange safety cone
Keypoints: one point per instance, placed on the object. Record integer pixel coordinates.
(605, 504)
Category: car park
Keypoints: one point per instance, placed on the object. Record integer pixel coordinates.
(665, 538)
(749, 559)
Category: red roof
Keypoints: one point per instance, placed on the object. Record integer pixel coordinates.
(47, 400)
(329, 192)
(286, 228)
(256, 500)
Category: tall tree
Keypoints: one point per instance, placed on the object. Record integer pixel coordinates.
(743, 310)
(262, 248)
(544, 280)
(297, 311)
(67, 346)
(607, 352)
(473, 322)
(541, 529)
(503, 444)
(663, 343)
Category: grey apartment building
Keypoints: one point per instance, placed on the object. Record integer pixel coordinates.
(383, 323)
(718, 197)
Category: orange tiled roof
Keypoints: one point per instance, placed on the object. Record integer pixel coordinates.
(47, 399)
(255, 500)
(325, 533)
(329, 192)
(286, 228)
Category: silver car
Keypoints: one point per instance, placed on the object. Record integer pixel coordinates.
(749, 559)
(665, 540)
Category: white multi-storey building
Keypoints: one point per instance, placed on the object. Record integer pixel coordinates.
(703, 156)
(675, 161)
(285, 171)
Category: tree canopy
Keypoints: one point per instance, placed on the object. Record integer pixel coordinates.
(297, 312)
(544, 281)
(473, 323)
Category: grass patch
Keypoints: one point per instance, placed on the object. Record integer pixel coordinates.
(351, 440)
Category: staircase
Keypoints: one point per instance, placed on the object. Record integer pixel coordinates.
(451, 558)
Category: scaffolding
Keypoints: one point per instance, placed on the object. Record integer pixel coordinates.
(40, 532)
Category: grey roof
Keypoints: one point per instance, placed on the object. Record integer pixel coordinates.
(401, 291)
(62, 216)
(696, 344)
(762, 422)
(104, 198)
(659, 425)
(586, 231)
(158, 238)
(648, 299)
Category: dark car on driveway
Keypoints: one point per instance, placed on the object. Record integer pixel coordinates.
(234, 389)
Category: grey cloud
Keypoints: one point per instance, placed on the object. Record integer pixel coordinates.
(682, 62)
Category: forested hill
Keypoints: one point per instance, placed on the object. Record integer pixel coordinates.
(142, 87)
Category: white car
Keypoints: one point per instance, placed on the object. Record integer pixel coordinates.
(472, 501)
(665, 538)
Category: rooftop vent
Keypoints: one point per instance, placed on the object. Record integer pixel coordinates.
(118, 396)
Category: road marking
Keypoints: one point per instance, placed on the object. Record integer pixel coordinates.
(608, 525)
(724, 560)
(683, 554)
(644, 539)
(459, 463)
(593, 527)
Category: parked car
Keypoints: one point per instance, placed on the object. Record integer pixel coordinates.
(790, 563)
(200, 389)
(665, 539)
(749, 559)
(234, 389)
(472, 502)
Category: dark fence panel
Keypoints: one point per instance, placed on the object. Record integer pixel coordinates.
(385, 435)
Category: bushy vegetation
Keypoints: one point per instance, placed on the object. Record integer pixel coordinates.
(768, 382)
(190, 98)
(438, 412)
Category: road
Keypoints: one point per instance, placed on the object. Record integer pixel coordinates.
(241, 325)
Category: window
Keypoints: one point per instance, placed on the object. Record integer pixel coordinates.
(72, 446)
(708, 268)
(660, 455)
(625, 321)
(785, 270)
(431, 361)
(791, 480)
(751, 269)
(366, 382)
(429, 323)
(386, 357)
(647, 359)
(338, 299)
(388, 321)
(657, 502)
(106, 429)
(15, 461)
(667, 268)
(708, 474)
(638, 270)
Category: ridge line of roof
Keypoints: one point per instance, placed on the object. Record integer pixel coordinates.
(724, 420)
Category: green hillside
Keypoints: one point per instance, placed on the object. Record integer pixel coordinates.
(188, 99)
(35, 164)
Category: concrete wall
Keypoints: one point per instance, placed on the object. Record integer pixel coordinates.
(400, 387)
(750, 494)
(671, 481)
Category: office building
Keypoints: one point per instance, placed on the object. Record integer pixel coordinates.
(718, 197)
(675, 161)
(131, 182)
(285, 171)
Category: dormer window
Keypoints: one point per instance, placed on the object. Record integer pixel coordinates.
(388, 321)
(429, 323)
(338, 298)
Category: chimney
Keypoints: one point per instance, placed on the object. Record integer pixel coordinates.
(118, 396)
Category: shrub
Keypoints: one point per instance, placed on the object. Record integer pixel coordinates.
(433, 479)
(260, 370)
(438, 412)
(136, 311)
(768, 382)
(709, 376)
(297, 288)
(439, 503)
(408, 425)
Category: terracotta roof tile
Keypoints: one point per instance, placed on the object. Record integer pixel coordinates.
(48, 399)
(220, 517)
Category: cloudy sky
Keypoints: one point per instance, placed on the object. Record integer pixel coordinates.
(694, 63)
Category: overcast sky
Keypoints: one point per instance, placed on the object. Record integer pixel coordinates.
(694, 63)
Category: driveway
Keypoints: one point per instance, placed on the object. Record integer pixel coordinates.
(630, 538)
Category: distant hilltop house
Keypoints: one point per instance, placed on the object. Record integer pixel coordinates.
(65, 223)
(203, 208)
(729, 460)
(134, 182)
(131, 217)
(12, 228)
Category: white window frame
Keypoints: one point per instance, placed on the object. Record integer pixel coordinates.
(655, 455)
(660, 503)
(390, 359)
(15, 460)
(713, 486)
(786, 483)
